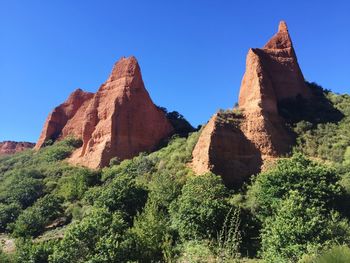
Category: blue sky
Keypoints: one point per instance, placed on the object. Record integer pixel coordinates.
(192, 53)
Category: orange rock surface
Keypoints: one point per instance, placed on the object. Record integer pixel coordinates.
(272, 75)
(119, 120)
(225, 150)
(11, 147)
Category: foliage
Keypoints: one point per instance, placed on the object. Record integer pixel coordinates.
(23, 187)
(122, 194)
(33, 220)
(74, 185)
(337, 254)
(318, 184)
(96, 238)
(321, 124)
(297, 228)
(151, 232)
(295, 201)
(29, 252)
(200, 210)
(229, 239)
(8, 214)
(181, 126)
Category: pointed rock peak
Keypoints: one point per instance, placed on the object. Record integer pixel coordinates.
(282, 27)
(125, 67)
(78, 93)
(281, 39)
(78, 96)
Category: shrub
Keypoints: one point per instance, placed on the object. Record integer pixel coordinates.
(96, 238)
(122, 194)
(25, 191)
(296, 202)
(34, 219)
(8, 214)
(150, 230)
(74, 184)
(200, 210)
(338, 254)
(38, 252)
(297, 228)
(318, 184)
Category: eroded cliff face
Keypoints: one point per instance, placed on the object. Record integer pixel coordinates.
(225, 150)
(11, 147)
(119, 120)
(66, 119)
(272, 75)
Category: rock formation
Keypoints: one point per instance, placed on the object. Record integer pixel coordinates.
(272, 75)
(119, 120)
(11, 147)
(224, 149)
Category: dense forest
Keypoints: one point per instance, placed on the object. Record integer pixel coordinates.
(153, 208)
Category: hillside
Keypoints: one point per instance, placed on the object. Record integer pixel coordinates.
(153, 208)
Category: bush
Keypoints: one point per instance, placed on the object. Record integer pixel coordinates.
(8, 214)
(74, 184)
(296, 202)
(338, 254)
(38, 252)
(200, 210)
(150, 231)
(33, 220)
(318, 184)
(122, 194)
(60, 150)
(96, 238)
(23, 187)
(297, 228)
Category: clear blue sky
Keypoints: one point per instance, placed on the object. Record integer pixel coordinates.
(192, 52)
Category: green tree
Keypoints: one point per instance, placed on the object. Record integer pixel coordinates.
(28, 252)
(317, 183)
(151, 229)
(122, 194)
(297, 228)
(96, 238)
(200, 210)
(33, 220)
(8, 214)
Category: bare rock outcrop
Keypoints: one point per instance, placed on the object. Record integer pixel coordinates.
(272, 75)
(11, 147)
(66, 119)
(225, 150)
(119, 120)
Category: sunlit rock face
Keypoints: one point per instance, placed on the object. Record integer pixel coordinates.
(11, 147)
(272, 75)
(119, 120)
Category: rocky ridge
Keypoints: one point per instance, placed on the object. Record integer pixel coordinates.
(119, 120)
(11, 147)
(272, 75)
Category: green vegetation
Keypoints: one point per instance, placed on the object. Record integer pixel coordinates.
(152, 208)
(321, 125)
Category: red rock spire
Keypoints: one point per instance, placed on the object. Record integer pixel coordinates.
(272, 75)
(119, 120)
(281, 39)
(282, 27)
